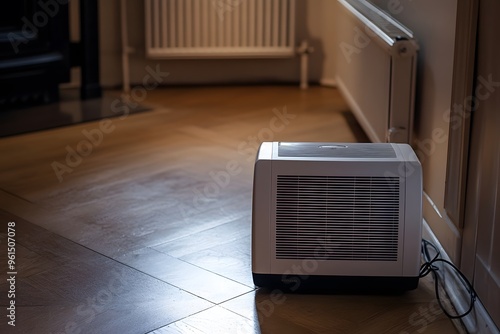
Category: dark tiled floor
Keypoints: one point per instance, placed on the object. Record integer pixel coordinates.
(69, 110)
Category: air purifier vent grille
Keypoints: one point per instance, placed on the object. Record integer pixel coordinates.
(337, 217)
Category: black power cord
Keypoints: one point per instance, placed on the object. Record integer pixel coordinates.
(429, 267)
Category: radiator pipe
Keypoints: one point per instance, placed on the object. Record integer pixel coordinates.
(126, 50)
(304, 50)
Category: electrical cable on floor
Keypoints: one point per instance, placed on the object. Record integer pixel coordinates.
(429, 267)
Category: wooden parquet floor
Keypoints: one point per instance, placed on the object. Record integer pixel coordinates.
(125, 225)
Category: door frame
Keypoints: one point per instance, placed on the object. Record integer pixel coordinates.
(460, 121)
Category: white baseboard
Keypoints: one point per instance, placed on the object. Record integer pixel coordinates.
(478, 321)
(328, 82)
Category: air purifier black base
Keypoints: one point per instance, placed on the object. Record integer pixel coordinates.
(336, 284)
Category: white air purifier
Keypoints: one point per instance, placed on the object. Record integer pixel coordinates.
(336, 216)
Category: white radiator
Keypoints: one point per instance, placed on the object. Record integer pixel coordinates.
(376, 69)
(220, 28)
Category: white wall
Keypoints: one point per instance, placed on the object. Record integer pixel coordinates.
(313, 23)
(321, 24)
(433, 23)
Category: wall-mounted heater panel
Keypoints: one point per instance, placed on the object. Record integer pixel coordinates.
(339, 216)
(376, 69)
(220, 29)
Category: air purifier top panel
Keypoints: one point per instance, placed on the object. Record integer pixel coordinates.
(336, 150)
(320, 151)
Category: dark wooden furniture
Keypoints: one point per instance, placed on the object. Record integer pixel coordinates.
(34, 51)
(36, 54)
